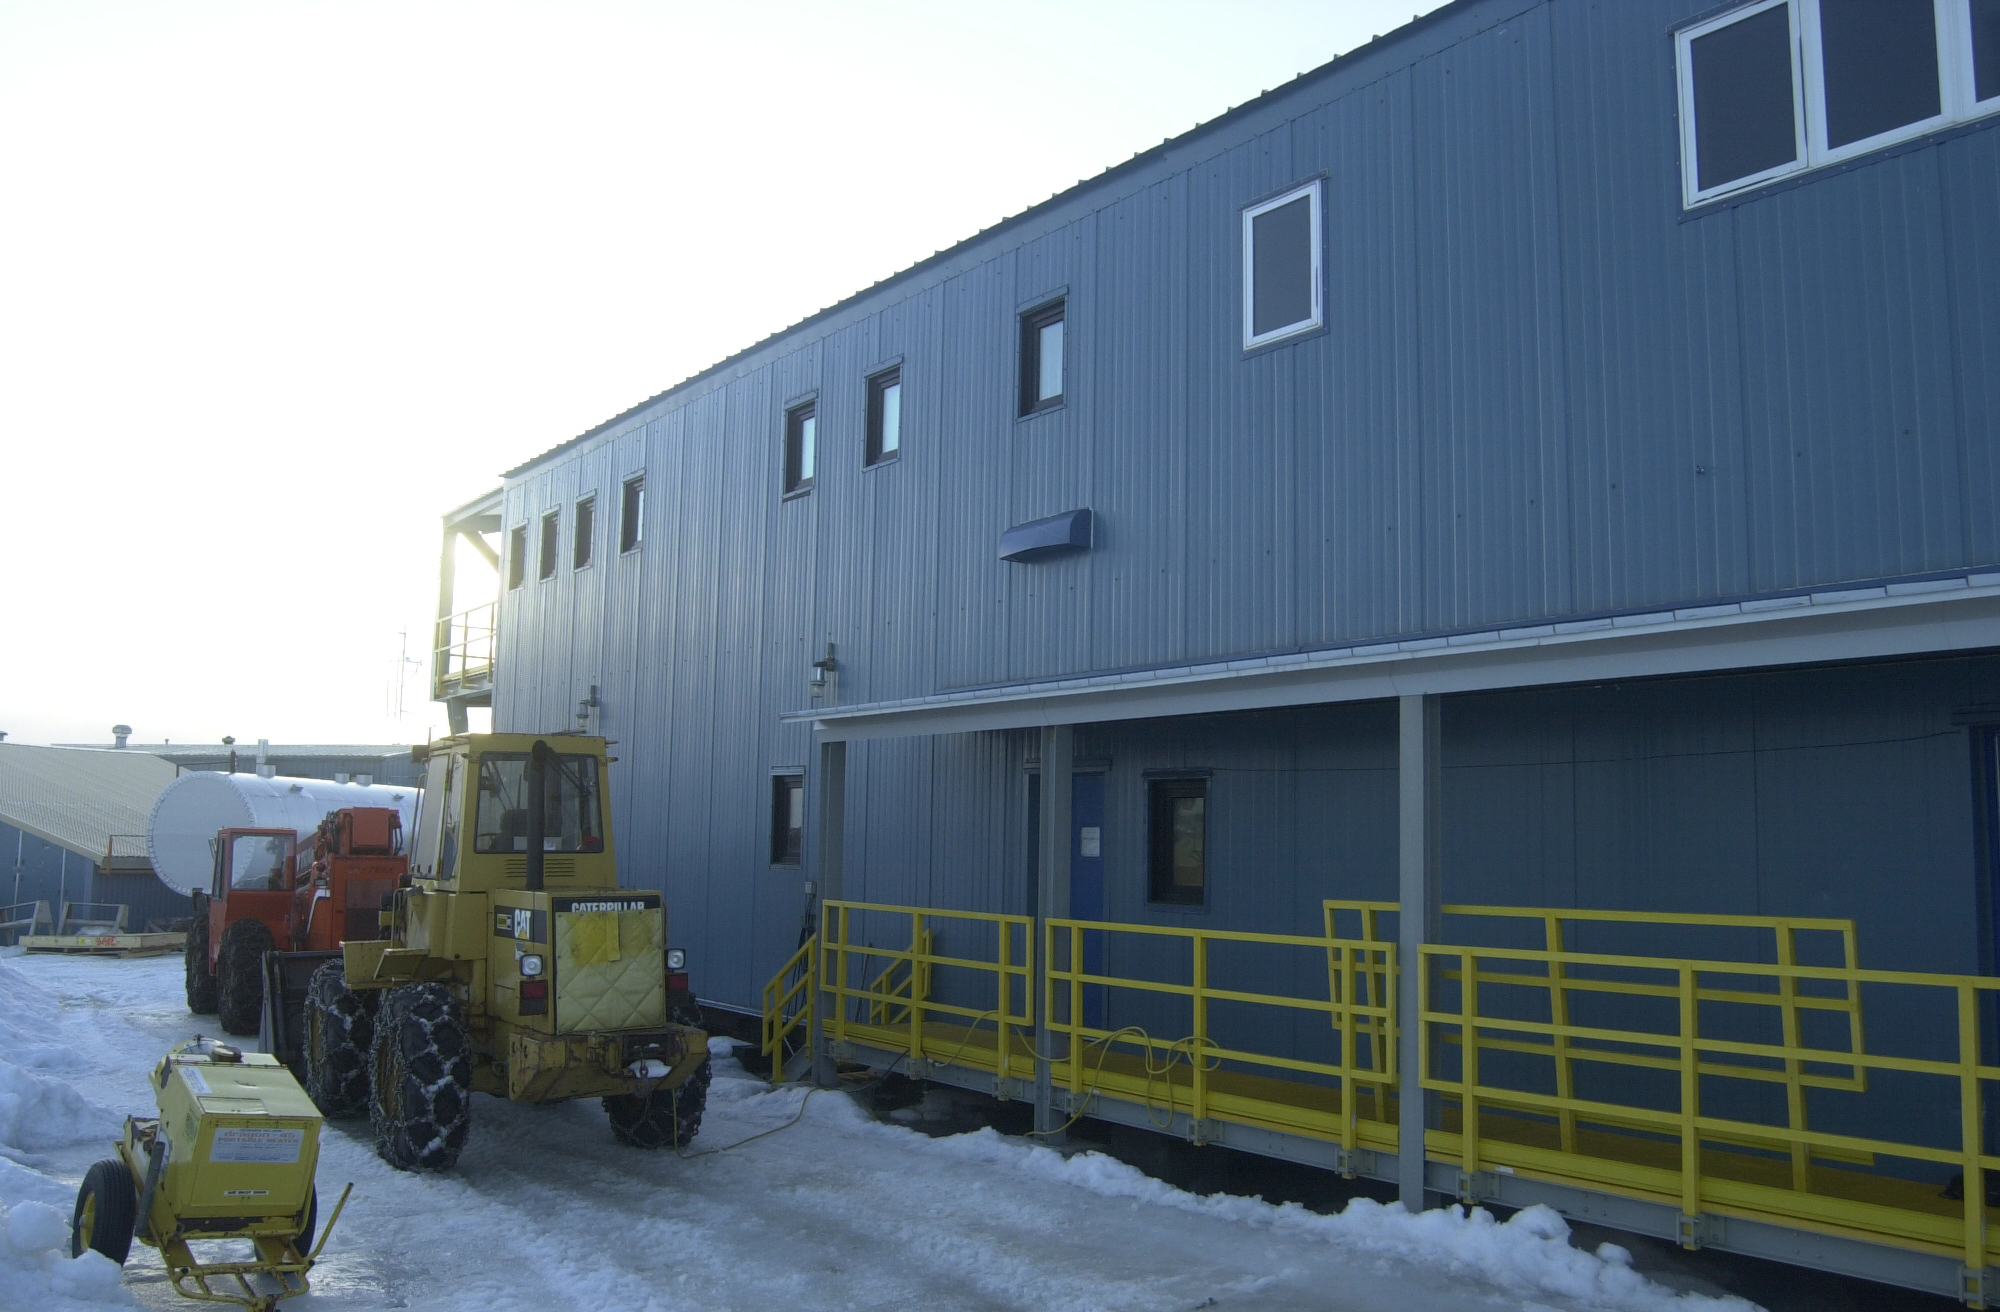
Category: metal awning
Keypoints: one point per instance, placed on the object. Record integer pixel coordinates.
(1960, 613)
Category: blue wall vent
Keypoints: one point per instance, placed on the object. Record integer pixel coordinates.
(1069, 531)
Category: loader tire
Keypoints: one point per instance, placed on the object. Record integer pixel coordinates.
(663, 1118)
(107, 1206)
(239, 976)
(339, 1039)
(200, 979)
(420, 1095)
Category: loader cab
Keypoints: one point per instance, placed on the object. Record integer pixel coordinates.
(254, 861)
(476, 839)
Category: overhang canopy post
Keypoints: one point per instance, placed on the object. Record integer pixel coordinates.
(829, 853)
(1418, 778)
(1051, 901)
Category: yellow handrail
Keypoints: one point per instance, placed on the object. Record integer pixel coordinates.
(791, 1000)
(462, 649)
(1360, 1007)
(923, 1026)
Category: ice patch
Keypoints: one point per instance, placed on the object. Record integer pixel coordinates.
(37, 1271)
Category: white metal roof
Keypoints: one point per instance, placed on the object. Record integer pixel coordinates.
(78, 798)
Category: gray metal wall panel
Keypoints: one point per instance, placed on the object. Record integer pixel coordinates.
(1970, 175)
(1848, 394)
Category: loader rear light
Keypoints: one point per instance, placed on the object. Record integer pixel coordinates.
(677, 980)
(534, 988)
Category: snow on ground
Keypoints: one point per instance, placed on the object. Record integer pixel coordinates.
(840, 1211)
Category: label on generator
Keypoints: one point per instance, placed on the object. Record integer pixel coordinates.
(266, 1147)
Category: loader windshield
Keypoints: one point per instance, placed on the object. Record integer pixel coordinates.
(257, 863)
(571, 816)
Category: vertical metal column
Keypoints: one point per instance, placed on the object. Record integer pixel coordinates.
(1417, 777)
(829, 856)
(1051, 900)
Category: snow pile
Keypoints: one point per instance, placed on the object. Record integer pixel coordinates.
(1529, 1253)
(40, 1107)
(37, 1271)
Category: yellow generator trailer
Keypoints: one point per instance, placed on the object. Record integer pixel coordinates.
(230, 1156)
(511, 964)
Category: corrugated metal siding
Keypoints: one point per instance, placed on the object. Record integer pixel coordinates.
(1544, 391)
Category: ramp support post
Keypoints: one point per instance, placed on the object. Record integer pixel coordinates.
(830, 851)
(1051, 901)
(1418, 778)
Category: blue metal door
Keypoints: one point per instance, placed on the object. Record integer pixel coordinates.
(1086, 882)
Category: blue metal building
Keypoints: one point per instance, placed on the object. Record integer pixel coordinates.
(1543, 460)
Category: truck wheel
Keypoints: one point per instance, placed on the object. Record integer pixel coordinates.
(420, 1099)
(200, 979)
(239, 976)
(106, 1208)
(662, 1117)
(339, 1034)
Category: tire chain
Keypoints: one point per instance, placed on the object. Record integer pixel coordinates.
(340, 1031)
(426, 1128)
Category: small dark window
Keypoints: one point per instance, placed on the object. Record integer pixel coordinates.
(1880, 58)
(549, 540)
(1281, 266)
(1985, 49)
(586, 529)
(1042, 358)
(517, 555)
(1744, 120)
(801, 436)
(632, 514)
(788, 819)
(885, 416)
(1177, 846)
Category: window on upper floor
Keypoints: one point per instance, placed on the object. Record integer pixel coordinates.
(550, 537)
(1780, 86)
(632, 514)
(801, 437)
(885, 416)
(1281, 267)
(1042, 357)
(517, 555)
(586, 532)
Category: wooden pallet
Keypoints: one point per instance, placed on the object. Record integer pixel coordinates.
(107, 945)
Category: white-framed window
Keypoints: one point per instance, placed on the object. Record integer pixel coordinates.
(1283, 284)
(1780, 86)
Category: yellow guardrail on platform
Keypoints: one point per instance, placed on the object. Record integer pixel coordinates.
(1226, 1081)
(1677, 1152)
(898, 1007)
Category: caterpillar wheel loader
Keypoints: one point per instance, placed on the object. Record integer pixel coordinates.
(512, 964)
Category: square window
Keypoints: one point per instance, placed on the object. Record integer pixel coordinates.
(1177, 841)
(1042, 358)
(632, 514)
(586, 525)
(550, 537)
(1739, 98)
(885, 416)
(1281, 267)
(788, 819)
(517, 555)
(801, 436)
(1877, 62)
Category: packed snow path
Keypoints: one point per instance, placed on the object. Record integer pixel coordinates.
(546, 1212)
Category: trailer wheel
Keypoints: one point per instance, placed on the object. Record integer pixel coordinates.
(200, 979)
(107, 1207)
(664, 1116)
(420, 1099)
(304, 1240)
(339, 1036)
(239, 976)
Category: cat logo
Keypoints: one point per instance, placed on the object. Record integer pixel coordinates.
(521, 923)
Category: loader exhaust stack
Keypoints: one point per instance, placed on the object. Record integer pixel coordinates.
(538, 816)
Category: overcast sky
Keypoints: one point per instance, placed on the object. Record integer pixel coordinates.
(282, 282)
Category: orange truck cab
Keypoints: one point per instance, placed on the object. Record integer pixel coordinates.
(271, 894)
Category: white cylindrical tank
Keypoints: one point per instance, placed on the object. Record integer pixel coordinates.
(181, 834)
